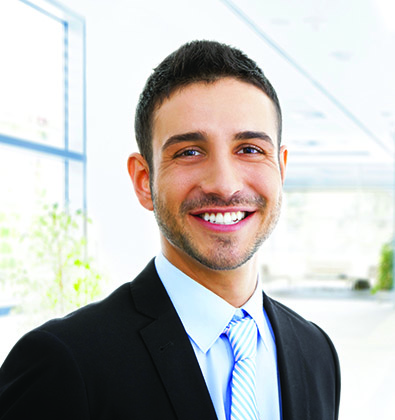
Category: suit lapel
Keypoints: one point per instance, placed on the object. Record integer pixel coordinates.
(170, 349)
(292, 366)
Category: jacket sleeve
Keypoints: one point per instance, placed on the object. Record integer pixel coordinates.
(41, 380)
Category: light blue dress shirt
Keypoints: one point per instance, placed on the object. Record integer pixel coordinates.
(205, 316)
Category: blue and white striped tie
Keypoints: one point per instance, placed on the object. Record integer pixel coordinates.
(242, 335)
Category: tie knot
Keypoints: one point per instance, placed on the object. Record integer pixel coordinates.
(242, 335)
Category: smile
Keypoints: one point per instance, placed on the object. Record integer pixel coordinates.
(228, 218)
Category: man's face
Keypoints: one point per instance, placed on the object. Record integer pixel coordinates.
(217, 173)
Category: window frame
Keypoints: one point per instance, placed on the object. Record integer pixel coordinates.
(73, 24)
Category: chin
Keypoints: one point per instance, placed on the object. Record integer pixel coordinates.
(220, 262)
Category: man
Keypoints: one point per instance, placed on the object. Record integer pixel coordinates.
(193, 336)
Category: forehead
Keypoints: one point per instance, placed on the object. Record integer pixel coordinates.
(225, 106)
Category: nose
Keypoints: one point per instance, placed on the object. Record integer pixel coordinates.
(222, 177)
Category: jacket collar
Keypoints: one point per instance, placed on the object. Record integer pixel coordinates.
(292, 367)
(170, 348)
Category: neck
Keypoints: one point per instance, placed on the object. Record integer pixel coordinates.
(235, 286)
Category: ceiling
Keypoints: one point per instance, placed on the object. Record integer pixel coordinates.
(335, 76)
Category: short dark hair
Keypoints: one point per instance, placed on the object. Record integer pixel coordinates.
(197, 61)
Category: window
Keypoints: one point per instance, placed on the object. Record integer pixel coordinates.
(42, 125)
(42, 105)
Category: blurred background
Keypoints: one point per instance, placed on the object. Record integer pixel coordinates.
(71, 229)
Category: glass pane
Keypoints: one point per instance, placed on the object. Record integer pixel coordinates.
(28, 180)
(30, 185)
(31, 74)
(76, 86)
(76, 182)
(40, 242)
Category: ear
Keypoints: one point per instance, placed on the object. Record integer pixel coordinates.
(283, 161)
(139, 174)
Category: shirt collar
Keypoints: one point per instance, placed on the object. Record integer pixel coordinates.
(254, 307)
(204, 314)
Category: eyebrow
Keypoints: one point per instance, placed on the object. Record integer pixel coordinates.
(202, 136)
(247, 135)
(179, 138)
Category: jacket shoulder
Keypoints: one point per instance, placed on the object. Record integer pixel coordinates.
(290, 319)
(308, 365)
(110, 315)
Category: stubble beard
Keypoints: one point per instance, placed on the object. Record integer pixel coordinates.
(224, 253)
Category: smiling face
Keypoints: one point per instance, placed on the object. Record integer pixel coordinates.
(217, 173)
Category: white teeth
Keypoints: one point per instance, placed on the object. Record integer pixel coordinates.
(219, 218)
(228, 218)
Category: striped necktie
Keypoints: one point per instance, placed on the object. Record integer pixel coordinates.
(242, 335)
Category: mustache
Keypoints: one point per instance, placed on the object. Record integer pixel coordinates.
(213, 200)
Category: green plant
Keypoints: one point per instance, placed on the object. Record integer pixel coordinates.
(60, 271)
(11, 264)
(385, 279)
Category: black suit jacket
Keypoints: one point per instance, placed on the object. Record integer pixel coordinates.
(129, 357)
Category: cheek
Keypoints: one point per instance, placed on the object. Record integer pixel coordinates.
(266, 184)
(173, 189)
(180, 179)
